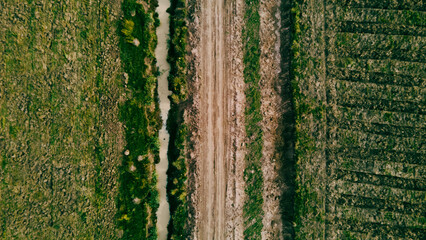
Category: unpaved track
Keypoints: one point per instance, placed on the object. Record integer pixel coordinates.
(218, 135)
(217, 118)
(213, 125)
(218, 107)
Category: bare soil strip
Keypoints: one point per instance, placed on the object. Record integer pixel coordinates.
(272, 110)
(212, 106)
(236, 104)
(217, 193)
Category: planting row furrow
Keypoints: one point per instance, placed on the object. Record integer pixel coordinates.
(378, 180)
(376, 77)
(380, 28)
(377, 154)
(360, 201)
(377, 167)
(385, 4)
(379, 128)
(379, 192)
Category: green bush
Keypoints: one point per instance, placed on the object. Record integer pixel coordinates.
(177, 172)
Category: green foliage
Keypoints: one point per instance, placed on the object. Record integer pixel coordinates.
(362, 57)
(138, 197)
(176, 186)
(177, 172)
(177, 51)
(307, 109)
(128, 26)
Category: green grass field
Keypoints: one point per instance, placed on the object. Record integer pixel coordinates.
(61, 142)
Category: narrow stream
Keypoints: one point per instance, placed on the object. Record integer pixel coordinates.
(163, 213)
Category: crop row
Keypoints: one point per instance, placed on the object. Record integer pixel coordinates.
(380, 204)
(389, 155)
(380, 192)
(389, 66)
(383, 168)
(401, 17)
(387, 78)
(380, 230)
(384, 4)
(379, 118)
(380, 129)
(370, 50)
(379, 92)
(382, 105)
(376, 179)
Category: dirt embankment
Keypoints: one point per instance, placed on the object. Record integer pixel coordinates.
(278, 120)
(272, 110)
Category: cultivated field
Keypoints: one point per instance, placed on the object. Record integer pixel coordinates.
(359, 68)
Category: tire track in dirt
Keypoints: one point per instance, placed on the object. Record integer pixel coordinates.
(235, 163)
(213, 125)
(217, 119)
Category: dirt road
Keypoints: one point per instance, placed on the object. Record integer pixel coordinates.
(218, 119)
(218, 182)
(213, 123)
